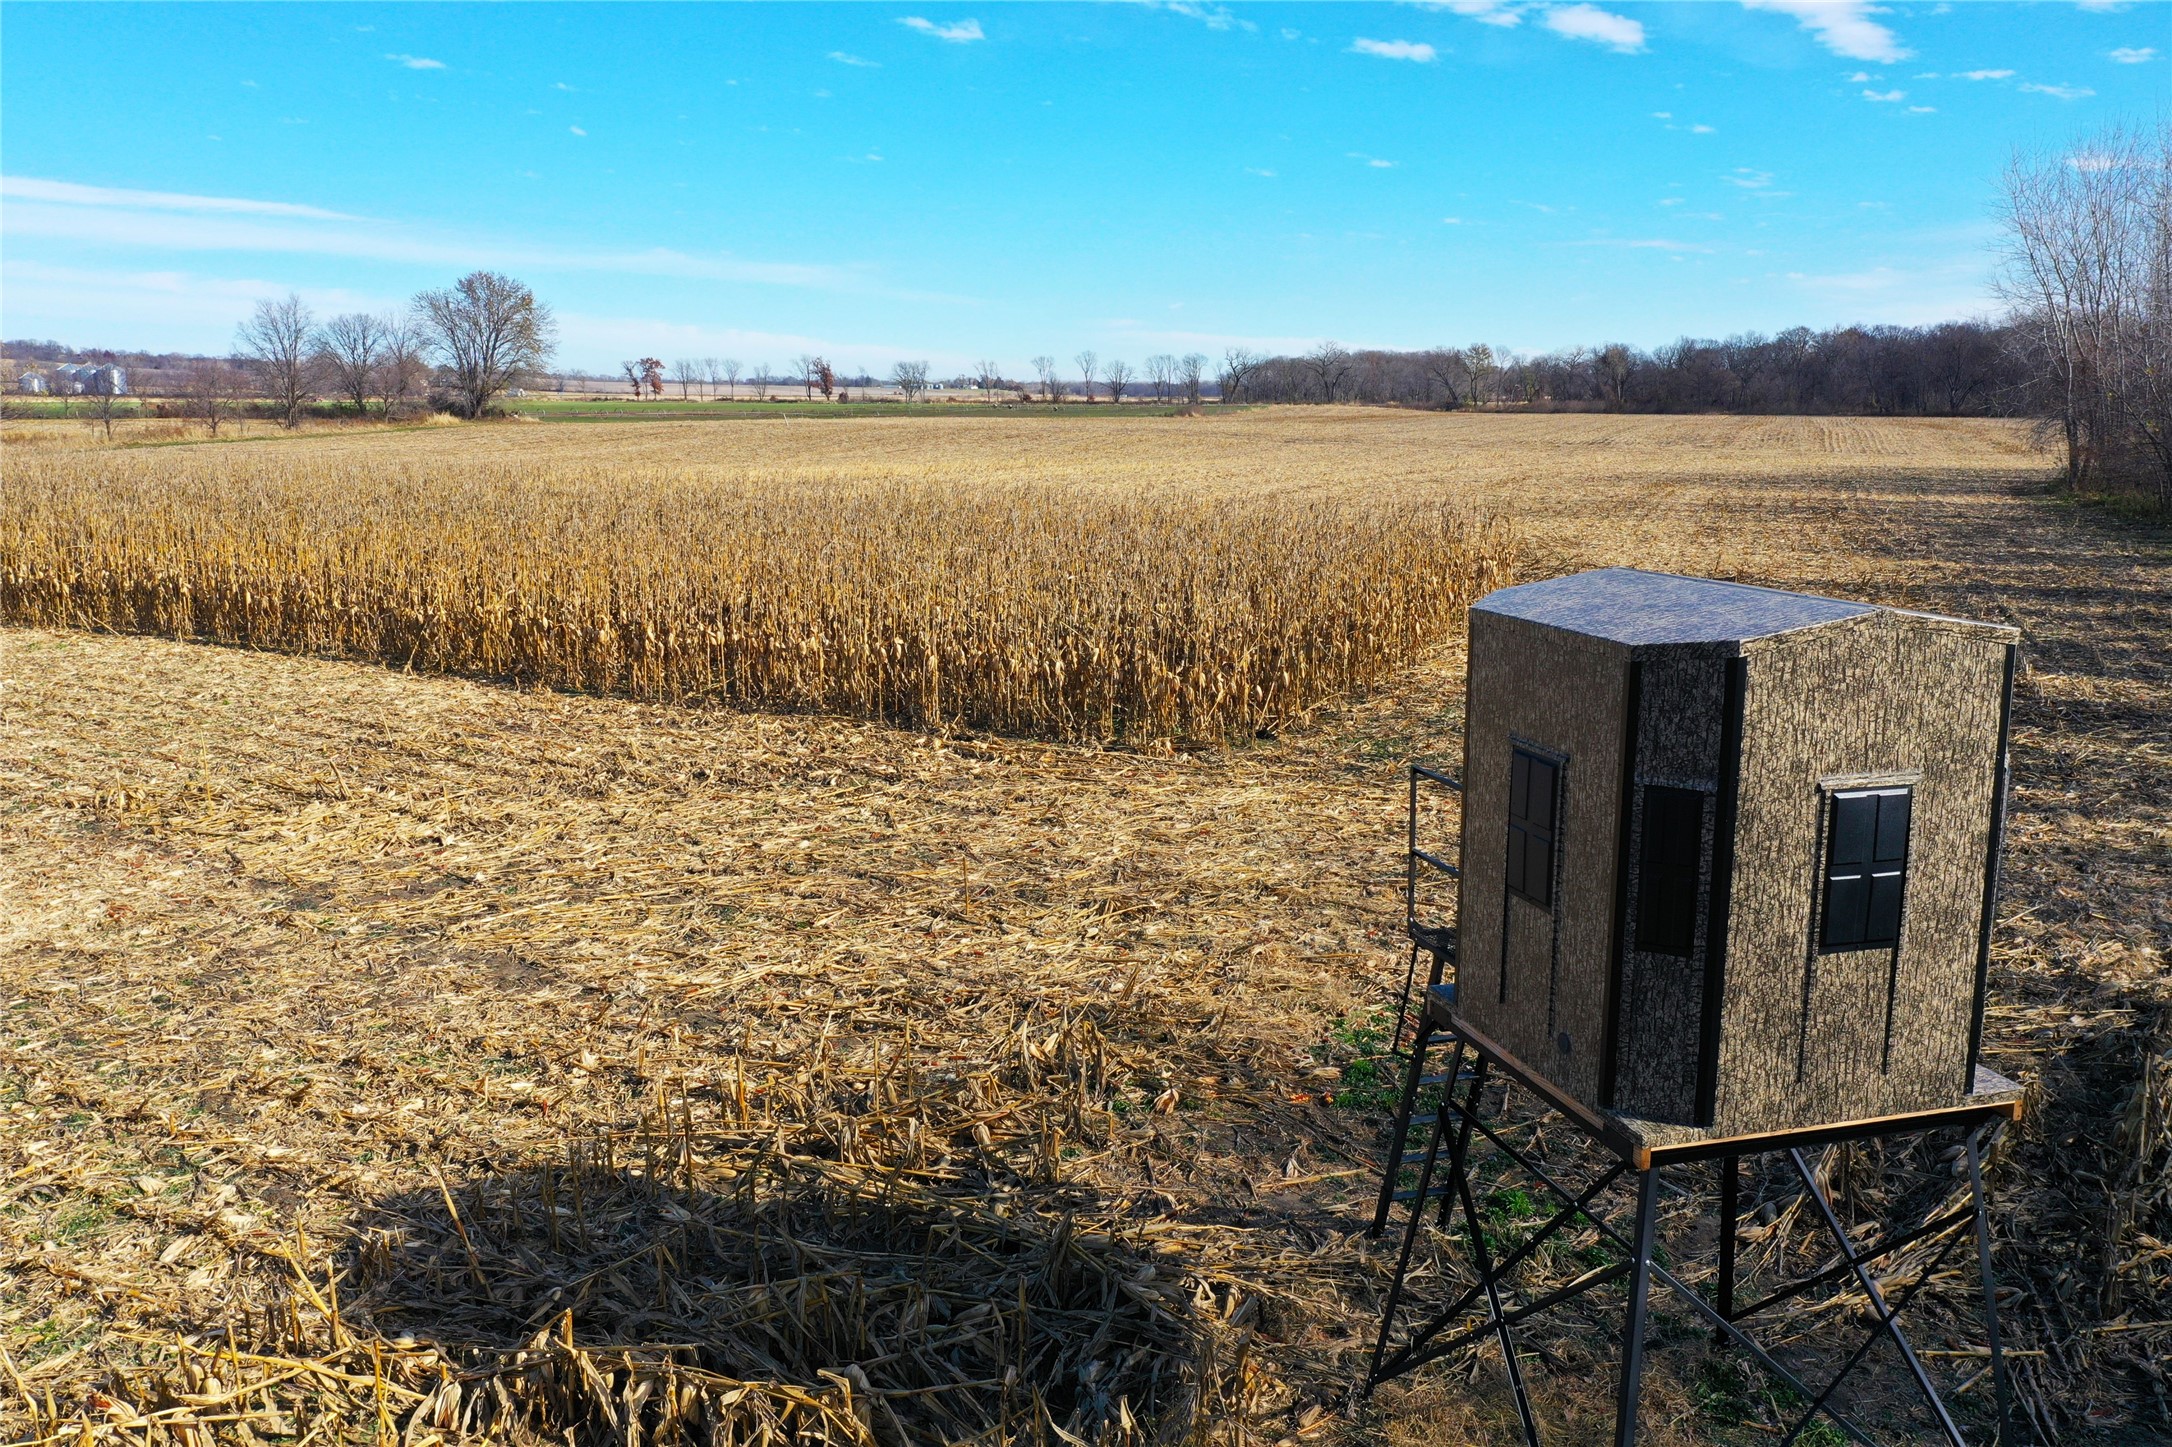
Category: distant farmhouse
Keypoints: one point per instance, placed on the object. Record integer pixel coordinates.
(71, 379)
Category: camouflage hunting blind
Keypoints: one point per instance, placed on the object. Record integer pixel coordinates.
(1729, 854)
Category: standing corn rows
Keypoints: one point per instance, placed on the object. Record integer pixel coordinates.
(1048, 611)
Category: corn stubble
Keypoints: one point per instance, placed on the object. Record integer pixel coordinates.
(1048, 611)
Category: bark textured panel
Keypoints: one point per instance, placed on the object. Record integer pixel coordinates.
(1888, 696)
(1662, 998)
(1562, 692)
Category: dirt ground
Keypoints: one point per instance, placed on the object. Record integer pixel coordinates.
(318, 976)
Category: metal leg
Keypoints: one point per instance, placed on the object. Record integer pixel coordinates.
(2004, 1388)
(1730, 1185)
(1486, 1275)
(1887, 1318)
(1819, 1401)
(1640, 1292)
(1417, 1217)
(1466, 1117)
(1402, 1008)
(1398, 1140)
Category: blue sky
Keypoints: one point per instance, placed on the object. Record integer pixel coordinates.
(878, 181)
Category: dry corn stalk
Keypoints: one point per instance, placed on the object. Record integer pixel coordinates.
(1019, 608)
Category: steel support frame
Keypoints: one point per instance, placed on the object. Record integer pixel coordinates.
(1459, 1122)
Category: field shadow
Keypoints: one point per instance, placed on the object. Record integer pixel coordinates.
(676, 1299)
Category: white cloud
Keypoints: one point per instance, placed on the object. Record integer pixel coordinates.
(1214, 17)
(2133, 55)
(2063, 92)
(1416, 50)
(1662, 115)
(1589, 22)
(1651, 244)
(1842, 26)
(158, 309)
(1748, 179)
(1289, 34)
(1886, 97)
(97, 216)
(1703, 130)
(2092, 161)
(577, 130)
(417, 62)
(1373, 161)
(962, 33)
(1922, 110)
(1861, 77)
(1486, 12)
(1670, 200)
(843, 59)
(2102, 7)
(1909, 296)
(68, 193)
(1451, 221)
(560, 85)
(1259, 171)
(1986, 75)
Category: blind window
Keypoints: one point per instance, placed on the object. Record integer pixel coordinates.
(1866, 868)
(1533, 790)
(1670, 850)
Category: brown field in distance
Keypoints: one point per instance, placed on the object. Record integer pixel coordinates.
(368, 1030)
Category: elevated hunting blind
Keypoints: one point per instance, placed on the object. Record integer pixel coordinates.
(1729, 853)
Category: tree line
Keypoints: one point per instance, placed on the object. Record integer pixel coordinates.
(1951, 369)
(2088, 278)
(457, 347)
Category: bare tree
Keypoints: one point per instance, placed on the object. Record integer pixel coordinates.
(212, 391)
(804, 369)
(2089, 277)
(686, 371)
(1330, 366)
(710, 376)
(1446, 367)
(730, 369)
(349, 350)
(911, 378)
(632, 372)
(1192, 375)
(401, 371)
(761, 381)
(1088, 364)
(1119, 376)
(989, 374)
(1161, 369)
(1614, 363)
(105, 405)
(1485, 368)
(1045, 369)
(279, 341)
(489, 331)
(1238, 364)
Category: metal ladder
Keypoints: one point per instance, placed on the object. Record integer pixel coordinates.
(1438, 942)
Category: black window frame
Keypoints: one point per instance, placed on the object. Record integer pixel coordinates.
(1532, 838)
(1863, 875)
(1670, 869)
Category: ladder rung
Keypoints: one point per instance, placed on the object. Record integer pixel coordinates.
(1432, 1193)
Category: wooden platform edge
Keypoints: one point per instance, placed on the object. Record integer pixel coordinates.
(1601, 1128)
(1614, 1133)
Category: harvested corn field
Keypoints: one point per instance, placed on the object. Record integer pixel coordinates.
(391, 1056)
